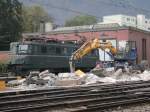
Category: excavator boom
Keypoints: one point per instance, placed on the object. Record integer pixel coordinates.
(86, 48)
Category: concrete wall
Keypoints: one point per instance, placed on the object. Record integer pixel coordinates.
(122, 20)
(140, 21)
(143, 23)
(138, 36)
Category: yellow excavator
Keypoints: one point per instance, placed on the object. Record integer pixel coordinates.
(86, 48)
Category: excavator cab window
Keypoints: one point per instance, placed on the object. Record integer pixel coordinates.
(104, 40)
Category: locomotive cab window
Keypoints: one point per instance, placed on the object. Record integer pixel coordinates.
(35, 49)
(65, 51)
(13, 48)
(51, 50)
(58, 50)
(43, 49)
(23, 49)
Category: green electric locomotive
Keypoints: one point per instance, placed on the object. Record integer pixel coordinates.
(31, 55)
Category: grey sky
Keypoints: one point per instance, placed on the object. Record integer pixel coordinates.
(62, 10)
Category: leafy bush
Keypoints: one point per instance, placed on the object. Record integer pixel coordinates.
(3, 67)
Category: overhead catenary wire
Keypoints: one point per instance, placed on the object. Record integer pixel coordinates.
(109, 3)
(123, 4)
(65, 9)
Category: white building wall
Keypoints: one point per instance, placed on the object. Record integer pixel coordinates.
(113, 19)
(141, 21)
(124, 20)
(48, 27)
(128, 21)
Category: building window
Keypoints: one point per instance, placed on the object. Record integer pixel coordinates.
(144, 53)
(128, 19)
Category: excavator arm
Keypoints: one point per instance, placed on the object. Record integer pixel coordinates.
(86, 48)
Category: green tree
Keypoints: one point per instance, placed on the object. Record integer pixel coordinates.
(81, 20)
(33, 16)
(10, 22)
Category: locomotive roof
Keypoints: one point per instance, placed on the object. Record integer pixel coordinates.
(47, 43)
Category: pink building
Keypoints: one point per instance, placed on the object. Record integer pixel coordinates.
(141, 37)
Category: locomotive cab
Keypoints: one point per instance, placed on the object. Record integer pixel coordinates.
(18, 57)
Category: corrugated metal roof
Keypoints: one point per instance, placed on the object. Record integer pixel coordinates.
(86, 27)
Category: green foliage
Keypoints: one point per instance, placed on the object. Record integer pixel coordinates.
(10, 21)
(33, 16)
(81, 20)
(3, 68)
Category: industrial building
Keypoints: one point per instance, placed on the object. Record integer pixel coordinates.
(140, 21)
(111, 32)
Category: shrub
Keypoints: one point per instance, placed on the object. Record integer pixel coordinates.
(3, 67)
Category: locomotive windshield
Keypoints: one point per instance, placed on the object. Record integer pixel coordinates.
(23, 49)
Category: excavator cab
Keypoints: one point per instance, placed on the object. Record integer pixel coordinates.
(87, 47)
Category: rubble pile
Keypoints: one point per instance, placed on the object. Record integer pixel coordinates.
(68, 79)
(144, 107)
(121, 76)
(109, 75)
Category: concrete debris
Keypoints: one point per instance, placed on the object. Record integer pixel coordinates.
(117, 73)
(103, 72)
(126, 77)
(98, 71)
(34, 79)
(144, 76)
(67, 76)
(133, 77)
(91, 78)
(69, 79)
(16, 82)
(47, 79)
(108, 80)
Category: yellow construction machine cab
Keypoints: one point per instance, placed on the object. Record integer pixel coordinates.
(87, 47)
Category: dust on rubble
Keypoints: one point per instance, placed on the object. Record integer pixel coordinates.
(47, 79)
(144, 107)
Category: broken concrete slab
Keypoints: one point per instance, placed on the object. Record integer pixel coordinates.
(91, 78)
(117, 73)
(69, 79)
(16, 82)
(98, 71)
(68, 82)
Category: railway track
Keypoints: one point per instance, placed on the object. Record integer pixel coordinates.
(76, 99)
(7, 77)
